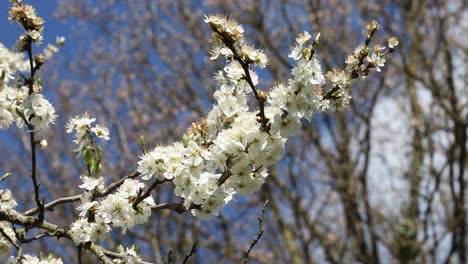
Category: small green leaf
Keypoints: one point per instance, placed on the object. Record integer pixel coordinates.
(92, 165)
(137, 249)
(99, 152)
(185, 140)
(20, 112)
(88, 156)
(141, 140)
(21, 232)
(120, 249)
(5, 176)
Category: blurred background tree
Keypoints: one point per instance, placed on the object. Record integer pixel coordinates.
(382, 183)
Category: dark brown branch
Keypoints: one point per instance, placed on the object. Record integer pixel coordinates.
(52, 204)
(193, 250)
(39, 236)
(258, 235)
(176, 207)
(224, 177)
(147, 193)
(169, 257)
(32, 140)
(329, 94)
(117, 184)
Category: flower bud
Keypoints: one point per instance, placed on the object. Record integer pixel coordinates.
(392, 42)
(43, 144)
(39, 60)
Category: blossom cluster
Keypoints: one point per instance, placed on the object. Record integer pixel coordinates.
(82, 125)
(302, 96)
(29, 259)
(116, 209)
(11, 99)
(227, 153)
(27, 17)
(10, 63)
(5, 244)
(229, 31)
(100, 213)
(128, 256)
(7, 203)
(21, 100)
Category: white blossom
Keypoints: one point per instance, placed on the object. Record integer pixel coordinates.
(7, 202)
(86, 204)
(39, 111)
(5, 244)
(376, 60)
(101, 132)
(81, 231)
(29, 259)
(84, 129)
(130, 256)
(90, 183)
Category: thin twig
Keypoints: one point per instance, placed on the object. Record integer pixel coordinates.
(258, 235)
(32, 140)
(176, 207)
(52, 204)
(147, 193)
(19, 256)
(193, 250)
(169, 257)
(117, 184)
(227, 173)
(79, 253)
